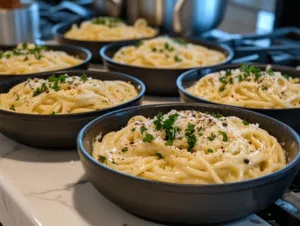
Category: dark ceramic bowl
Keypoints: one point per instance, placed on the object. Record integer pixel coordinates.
(188, 204)
(93, 46)
(158, 81)
(57, 131)
(80, 52)
(289, 116)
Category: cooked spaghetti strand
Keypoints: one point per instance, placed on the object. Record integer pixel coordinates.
(190, 147)
(66, 95)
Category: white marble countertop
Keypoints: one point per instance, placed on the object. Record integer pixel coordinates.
(51, 189)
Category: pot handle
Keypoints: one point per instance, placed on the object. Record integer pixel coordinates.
(116, 3)
(117, 6)
(177, 26)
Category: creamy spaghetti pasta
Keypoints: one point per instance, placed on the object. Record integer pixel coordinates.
(165, 52)
(66, 95)
(30, 58)
(110, 29)
(190, 147)
(250, 87)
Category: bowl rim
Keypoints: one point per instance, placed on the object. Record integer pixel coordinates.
(57, 34)
(224, 47)
(219, 68)
(247, 183)
(59, 46)
(141, 93)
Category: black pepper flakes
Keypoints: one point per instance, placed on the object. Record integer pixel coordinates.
(246, 161)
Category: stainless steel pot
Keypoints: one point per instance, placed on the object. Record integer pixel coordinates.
(183, 17)
(108, 7)
(19, 25)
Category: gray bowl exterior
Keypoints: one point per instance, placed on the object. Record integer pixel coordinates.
(187, 204)
(289, 116)
(157, 81)
(80, 52)
(57, 131)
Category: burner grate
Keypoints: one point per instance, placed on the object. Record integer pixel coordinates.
(279, 47)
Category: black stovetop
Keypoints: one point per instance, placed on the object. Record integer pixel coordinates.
(282, 46)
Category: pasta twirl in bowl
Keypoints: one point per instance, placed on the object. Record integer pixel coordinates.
(49, 110)
(204, 157)
(159, 61)
(268, 89)
(99, 31)
(30, 59)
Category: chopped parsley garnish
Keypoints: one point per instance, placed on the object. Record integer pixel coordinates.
(168, 47)
(210, 150)
(160, 156)
(231, 80)
(56, 80)
(168, 126)
(139, 43)
(52, 78)
(40, 90)
(84, 77)
(217, 115)
(106, 21)
(190, 136)
(158, 122)
(12, 107)
(240, 78)
(102, 158)
(211, 137)
(24, 45)
(264, 88)
(36, 51)
(286, 76)
(133, 129)
(143, 129)
(62, 78)
(250, 69)
(177, 59)
(124, 149)
(270, 71)
(228, 73)
(225, 137)
(18, 97)
(52, 113)
(223, 80)
(222, 88)
(257, 76)
(180, 41)
(169, 142)
(148, 138)
(24, 50)
(55, 86)
(154, 49)
(245, 123)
